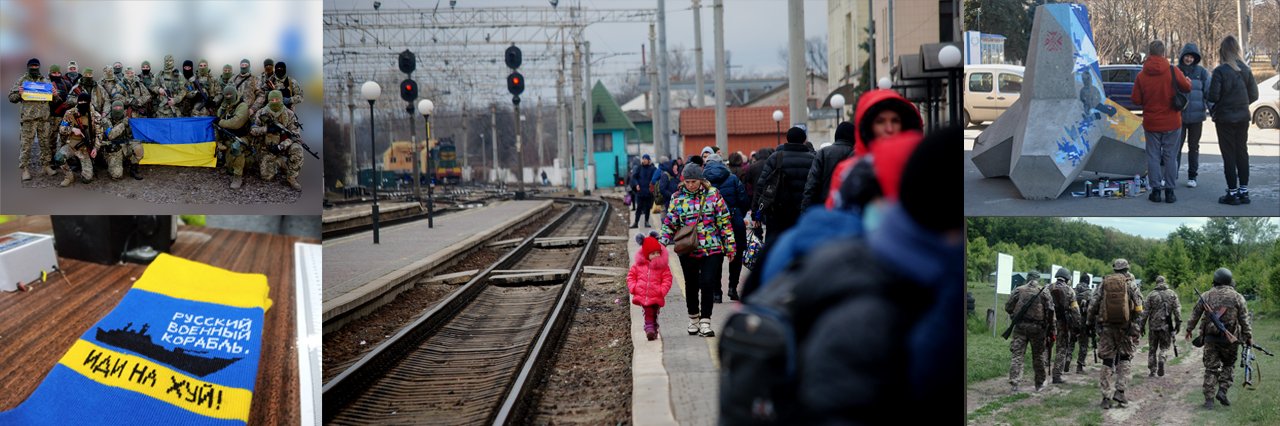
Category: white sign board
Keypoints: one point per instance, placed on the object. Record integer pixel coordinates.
(1075, 278)
(1004, 273)
(1053, 273)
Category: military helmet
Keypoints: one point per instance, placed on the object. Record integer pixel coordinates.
(1063, 273)
(1222, 276)
(1120, 265)
(1160, 279)
(1033, 275)
(1084, 278)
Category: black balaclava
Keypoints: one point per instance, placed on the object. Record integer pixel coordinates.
(146, 68)
(33, 68)
(82, 103)
(280, 69)
(118, 70)
(187, 72)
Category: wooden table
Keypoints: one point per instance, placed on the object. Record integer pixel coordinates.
(37, 327)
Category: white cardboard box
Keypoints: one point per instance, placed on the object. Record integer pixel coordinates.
(24, 257)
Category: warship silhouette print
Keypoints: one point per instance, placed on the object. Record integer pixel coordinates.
(139, 341)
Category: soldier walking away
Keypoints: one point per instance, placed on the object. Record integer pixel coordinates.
(1032, 323)
(33, 117)
(1164, 316)
(1226, 323)
(1115, 313)
(1082, 333)
(1067, 315)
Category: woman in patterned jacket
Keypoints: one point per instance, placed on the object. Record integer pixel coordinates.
(698, 204)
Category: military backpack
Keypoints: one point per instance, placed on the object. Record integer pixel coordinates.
(1115, 299)
(1027, 294)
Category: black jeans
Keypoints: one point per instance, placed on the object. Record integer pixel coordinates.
(1191, 138)
(1233, 140)
(643, 206)
(701, 277)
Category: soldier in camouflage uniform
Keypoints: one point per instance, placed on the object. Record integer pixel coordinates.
(246, 86)
(1067, 315)
(1162, 305)
(1117, 339)
(168, 90)
(287, 86)
(59, 106)
(233, 116)
(33, 117)
(1219, 352)
(147, 78)
(190, 94)
(1035, 328)
(1081, 335)
(109, 90)
(210, 88)
(119, 144)
(279, 128)
(139, 103)
(226, 77)
(78, 124)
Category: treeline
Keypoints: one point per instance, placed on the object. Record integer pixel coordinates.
(1186, 257)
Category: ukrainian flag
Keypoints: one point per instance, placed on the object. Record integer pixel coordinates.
(37, 91)
(187, 141)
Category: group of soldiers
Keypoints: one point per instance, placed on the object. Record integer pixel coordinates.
(1115, 316)
(253, 115)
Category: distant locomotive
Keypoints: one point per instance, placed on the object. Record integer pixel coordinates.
(445, 158)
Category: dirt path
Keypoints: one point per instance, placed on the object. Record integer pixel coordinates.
(1155, 400)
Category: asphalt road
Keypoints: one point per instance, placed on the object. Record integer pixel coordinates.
(999, 197)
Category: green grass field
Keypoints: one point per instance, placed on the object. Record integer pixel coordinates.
(1261, 406)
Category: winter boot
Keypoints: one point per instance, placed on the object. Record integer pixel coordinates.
(1222, 397)
(25, 176)
(650, 332)
(236, 181)
(704, 328)
(693, 324)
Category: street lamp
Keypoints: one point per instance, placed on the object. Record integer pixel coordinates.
(777, 120)
(949, 58)
(426, 107)
(837, 101)
(884, 83)
(370, 92)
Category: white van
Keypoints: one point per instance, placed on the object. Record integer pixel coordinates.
(989, 90)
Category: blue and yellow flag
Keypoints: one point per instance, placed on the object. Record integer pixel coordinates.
(182, 347)
(37, 91)
(187, 141)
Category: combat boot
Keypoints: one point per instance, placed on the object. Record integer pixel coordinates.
(293, 182)
(66, 181)
(1208, 403)
(49, 171)
(1014, 388)
(1106, 403)
(1222, 397)
(236, 181)
(135, 171)
(1058, 381)
(1152, 374)
(25, 176)
(1080, 369)
(733, 293)
(1160, 371)
(1119, 398)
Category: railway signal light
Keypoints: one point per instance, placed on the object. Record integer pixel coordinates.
(408, 90)
(515, 83)
(513, 57)
(407, 62)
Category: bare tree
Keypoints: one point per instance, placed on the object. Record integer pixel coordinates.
(815, 55)
(679, 63)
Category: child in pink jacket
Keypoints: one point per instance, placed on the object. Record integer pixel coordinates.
(649, 280)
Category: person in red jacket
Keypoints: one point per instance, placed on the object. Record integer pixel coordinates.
(880, 114)
(1161, 122)
(648, 280)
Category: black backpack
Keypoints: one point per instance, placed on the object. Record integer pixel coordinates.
(772, 183)
(758, 347)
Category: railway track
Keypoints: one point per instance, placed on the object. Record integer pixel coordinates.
(474, 356)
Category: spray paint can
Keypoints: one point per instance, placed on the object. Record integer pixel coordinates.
(1088, 189)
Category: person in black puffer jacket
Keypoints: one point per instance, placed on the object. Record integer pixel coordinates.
(824, 164)
(1197, 109)
(793, 160)
(754, 169)
(735, 198)
(1231, 90)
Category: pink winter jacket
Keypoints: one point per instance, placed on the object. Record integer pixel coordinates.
(648, 281)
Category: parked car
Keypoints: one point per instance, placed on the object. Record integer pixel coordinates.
(1266, 110)
(990, 90)
(1117, 82)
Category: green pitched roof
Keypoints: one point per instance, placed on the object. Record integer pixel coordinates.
(607, 115)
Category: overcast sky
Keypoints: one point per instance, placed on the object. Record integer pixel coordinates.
(1149, 227)
(754, 29)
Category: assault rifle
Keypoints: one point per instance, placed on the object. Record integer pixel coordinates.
(244, 145)
(1173, 328)
(1017, 318)
(1246, 362)
(275, 128)
(1215, 316)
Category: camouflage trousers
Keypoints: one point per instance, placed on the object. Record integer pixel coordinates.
(1023, 334)
(115, 160)
(1160, 343)
(31, 129)
(49, 141)
(1115, 348)
(1063, 357)
(86, 162)
(1219, 367)
(1080, 339)
(271, 164)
